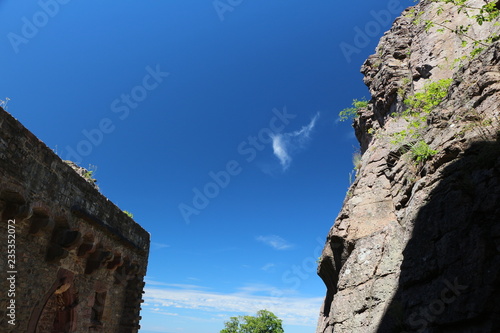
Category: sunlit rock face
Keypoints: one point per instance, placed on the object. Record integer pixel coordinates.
(416, 245)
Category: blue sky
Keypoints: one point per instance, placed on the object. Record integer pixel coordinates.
(215, 124)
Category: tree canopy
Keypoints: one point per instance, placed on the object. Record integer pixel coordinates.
(264, 322)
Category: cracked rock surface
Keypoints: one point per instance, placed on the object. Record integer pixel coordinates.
(416, 246)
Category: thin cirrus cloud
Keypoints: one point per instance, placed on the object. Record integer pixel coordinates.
(159, 246)
(172, 285)
(287, 144)
(275, 242)
(268, 267)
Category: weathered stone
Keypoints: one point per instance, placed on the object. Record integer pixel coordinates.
(62, 227)
(415, 247)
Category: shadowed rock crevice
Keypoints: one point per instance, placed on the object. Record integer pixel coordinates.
(450, 274)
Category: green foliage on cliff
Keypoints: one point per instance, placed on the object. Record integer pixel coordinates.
(421, 152)
(489, 12)
(425, 101)
(486, 13)
(419, 106)
(264, 322)
(129, 214)
(352, 112)
(88, 175)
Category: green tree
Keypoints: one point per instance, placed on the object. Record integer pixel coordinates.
(264, 322)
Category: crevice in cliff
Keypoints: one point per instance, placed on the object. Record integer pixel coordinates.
(375, 269)
(329, 268)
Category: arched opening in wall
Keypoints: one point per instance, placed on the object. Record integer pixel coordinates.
(11, 204)
(96, 324)
(40, 222)
(58, 312)
(98, 259)
(88, 245)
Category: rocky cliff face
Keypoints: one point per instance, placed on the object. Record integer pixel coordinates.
(416, 246)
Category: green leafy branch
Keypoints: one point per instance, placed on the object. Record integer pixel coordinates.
(431, 96)
(419, 106)
(487, 13)
(421, 152)
(353, 112)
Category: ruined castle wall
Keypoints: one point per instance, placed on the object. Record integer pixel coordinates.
(77, 262)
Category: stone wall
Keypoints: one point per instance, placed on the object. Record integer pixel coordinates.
(77, 262)
(416, 246)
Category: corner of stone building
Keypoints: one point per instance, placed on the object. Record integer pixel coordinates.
(75, 261)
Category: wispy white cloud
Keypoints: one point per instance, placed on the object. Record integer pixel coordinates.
(173, 285)
(158, 246)
(257, 289)
(301, 311)
(154, 283)
(280, 148)
(155, 328)
(158, 310)
(286, 144)
(274, 241)
(268, 267)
